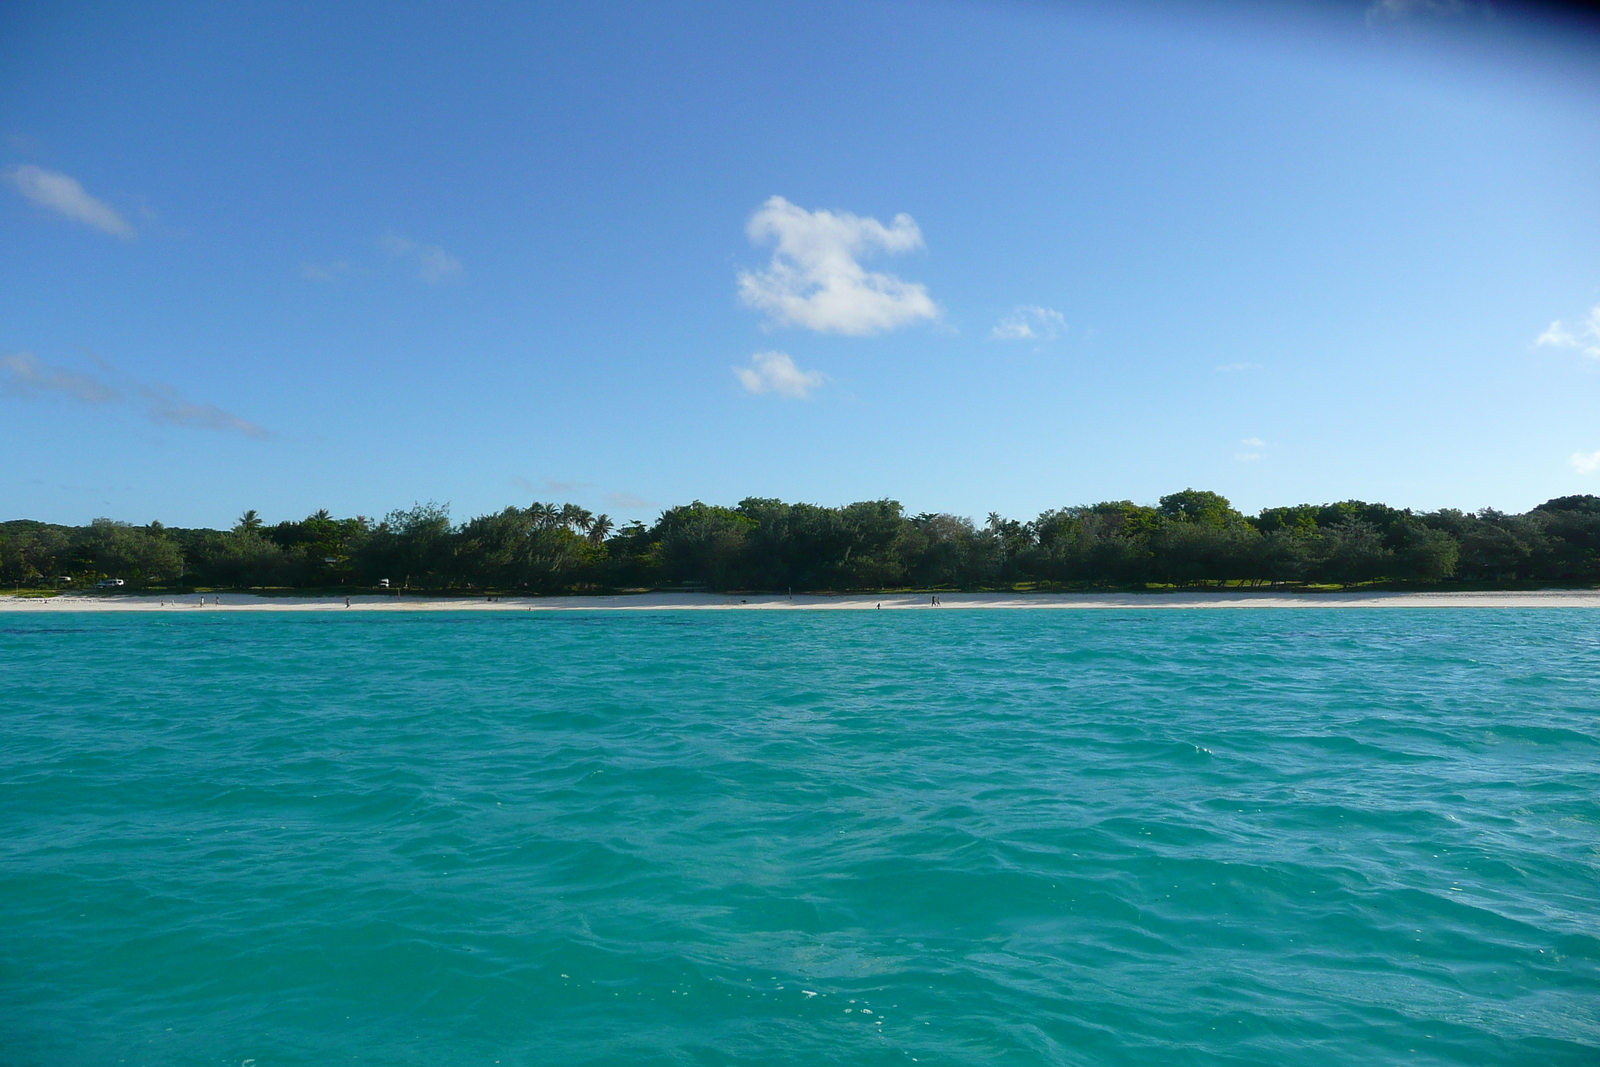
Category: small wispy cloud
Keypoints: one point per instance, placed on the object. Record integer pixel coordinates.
(163, 405)
(549, 485)
(775, 372)
(434, 264)
(1585, 462)
(1029, 323)
(24, 374)
(326, 272)
(1585, 336)
(629, 502)
(64, 195)
(815, 278)
(1557, 336)
(1235, 368)
(1395, 10)
(1251, 443)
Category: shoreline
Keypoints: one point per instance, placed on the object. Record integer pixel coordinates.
(1544, 598)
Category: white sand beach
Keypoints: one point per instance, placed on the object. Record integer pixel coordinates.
(1553, 598)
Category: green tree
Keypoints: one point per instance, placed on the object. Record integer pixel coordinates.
(414, 545)
(1288, 553)
(1424, 554)
(1355, 553)
(1301, 518)
(321, 547)
(33, 551)
(1190, 552)
(1199, 505)
(538, 547)
(120, 550)
(701, 543)
(1571, 541)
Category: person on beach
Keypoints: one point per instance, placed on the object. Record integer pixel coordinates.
(346, 601)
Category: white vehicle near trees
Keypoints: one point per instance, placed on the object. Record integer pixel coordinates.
(110, 583)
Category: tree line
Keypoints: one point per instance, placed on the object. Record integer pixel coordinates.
(1190, 539)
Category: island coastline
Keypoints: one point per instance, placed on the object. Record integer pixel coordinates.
(667, 601)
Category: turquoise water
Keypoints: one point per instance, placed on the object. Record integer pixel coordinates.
(942, 837)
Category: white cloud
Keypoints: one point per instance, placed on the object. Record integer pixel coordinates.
(1557, 335)
(775, 372)
(1585, 337)
(165, 406)
(1250, 443)
(1585, 462)
(1394, 10)
(63, 194)
(815, 279)
(29, 376)
(629, 502)
(434, 264)
(24, 374)
(1235, 368)
(325, 272)
(549, 485)
(1029, 324)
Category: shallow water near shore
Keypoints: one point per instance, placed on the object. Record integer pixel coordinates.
(1019, 837)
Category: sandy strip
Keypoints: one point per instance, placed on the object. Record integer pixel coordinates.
(1553, 598)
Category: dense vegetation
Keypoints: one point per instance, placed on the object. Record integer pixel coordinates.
(1192, 538)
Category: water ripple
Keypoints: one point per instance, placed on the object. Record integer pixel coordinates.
(1113, 838)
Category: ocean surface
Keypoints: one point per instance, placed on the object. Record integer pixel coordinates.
(938, 837)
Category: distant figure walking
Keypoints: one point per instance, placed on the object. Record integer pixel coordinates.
(346, 601)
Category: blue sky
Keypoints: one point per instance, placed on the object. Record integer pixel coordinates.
(973, 256)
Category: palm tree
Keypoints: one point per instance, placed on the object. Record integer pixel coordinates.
(248, 522)
(599, 527)
(573, 515)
